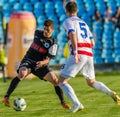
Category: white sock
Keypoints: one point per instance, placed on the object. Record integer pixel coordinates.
(68, 90)
(102, 87)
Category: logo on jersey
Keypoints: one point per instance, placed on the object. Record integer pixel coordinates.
(47, 45)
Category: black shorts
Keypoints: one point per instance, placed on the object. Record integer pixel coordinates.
(31, 65)
(2, 67)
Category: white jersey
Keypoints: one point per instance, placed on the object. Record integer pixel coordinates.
(84, 35)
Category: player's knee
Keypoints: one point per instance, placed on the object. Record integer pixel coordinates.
(22, 74)
(90, 82)
(62, 81)
(55, 82)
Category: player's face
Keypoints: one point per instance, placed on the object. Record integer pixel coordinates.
(48, 31)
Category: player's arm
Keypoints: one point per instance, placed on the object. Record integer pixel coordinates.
(51, 53)
(43, 62)
(73, 39)
(92, 42)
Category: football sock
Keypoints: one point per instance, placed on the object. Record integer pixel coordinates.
(12, 86)
(68, 90)
(102, 87)
(59, 92)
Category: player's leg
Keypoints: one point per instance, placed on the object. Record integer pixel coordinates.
(88, 72)
(103, 88)
(51, 77)
(68, 90)
(23, 72)
(11, 88)
(99, 86)
(59, 92)
(70, 69)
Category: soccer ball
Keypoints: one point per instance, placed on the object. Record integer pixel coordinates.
(19, 104)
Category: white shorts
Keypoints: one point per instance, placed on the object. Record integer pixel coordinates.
(85, 66)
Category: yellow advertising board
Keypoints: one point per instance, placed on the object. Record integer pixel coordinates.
(21, 29)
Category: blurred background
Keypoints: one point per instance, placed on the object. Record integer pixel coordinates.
(102, 16)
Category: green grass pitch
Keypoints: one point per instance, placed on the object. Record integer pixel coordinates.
(43, 102)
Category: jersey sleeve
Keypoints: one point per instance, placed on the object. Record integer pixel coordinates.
(52, 51)
(68, 26)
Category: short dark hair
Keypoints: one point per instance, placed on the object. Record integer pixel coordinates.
(48, 23)
(71, 7)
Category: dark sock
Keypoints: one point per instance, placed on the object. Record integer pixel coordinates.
(59, 92)
(12, 86)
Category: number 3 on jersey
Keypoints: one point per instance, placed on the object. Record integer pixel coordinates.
(83, 29)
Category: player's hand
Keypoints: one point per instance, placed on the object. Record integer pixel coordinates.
(39, 64)
(76, 58)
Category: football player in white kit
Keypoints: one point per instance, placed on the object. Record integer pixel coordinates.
(81, 58)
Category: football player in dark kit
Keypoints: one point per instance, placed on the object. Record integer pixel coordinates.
(36, 60)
